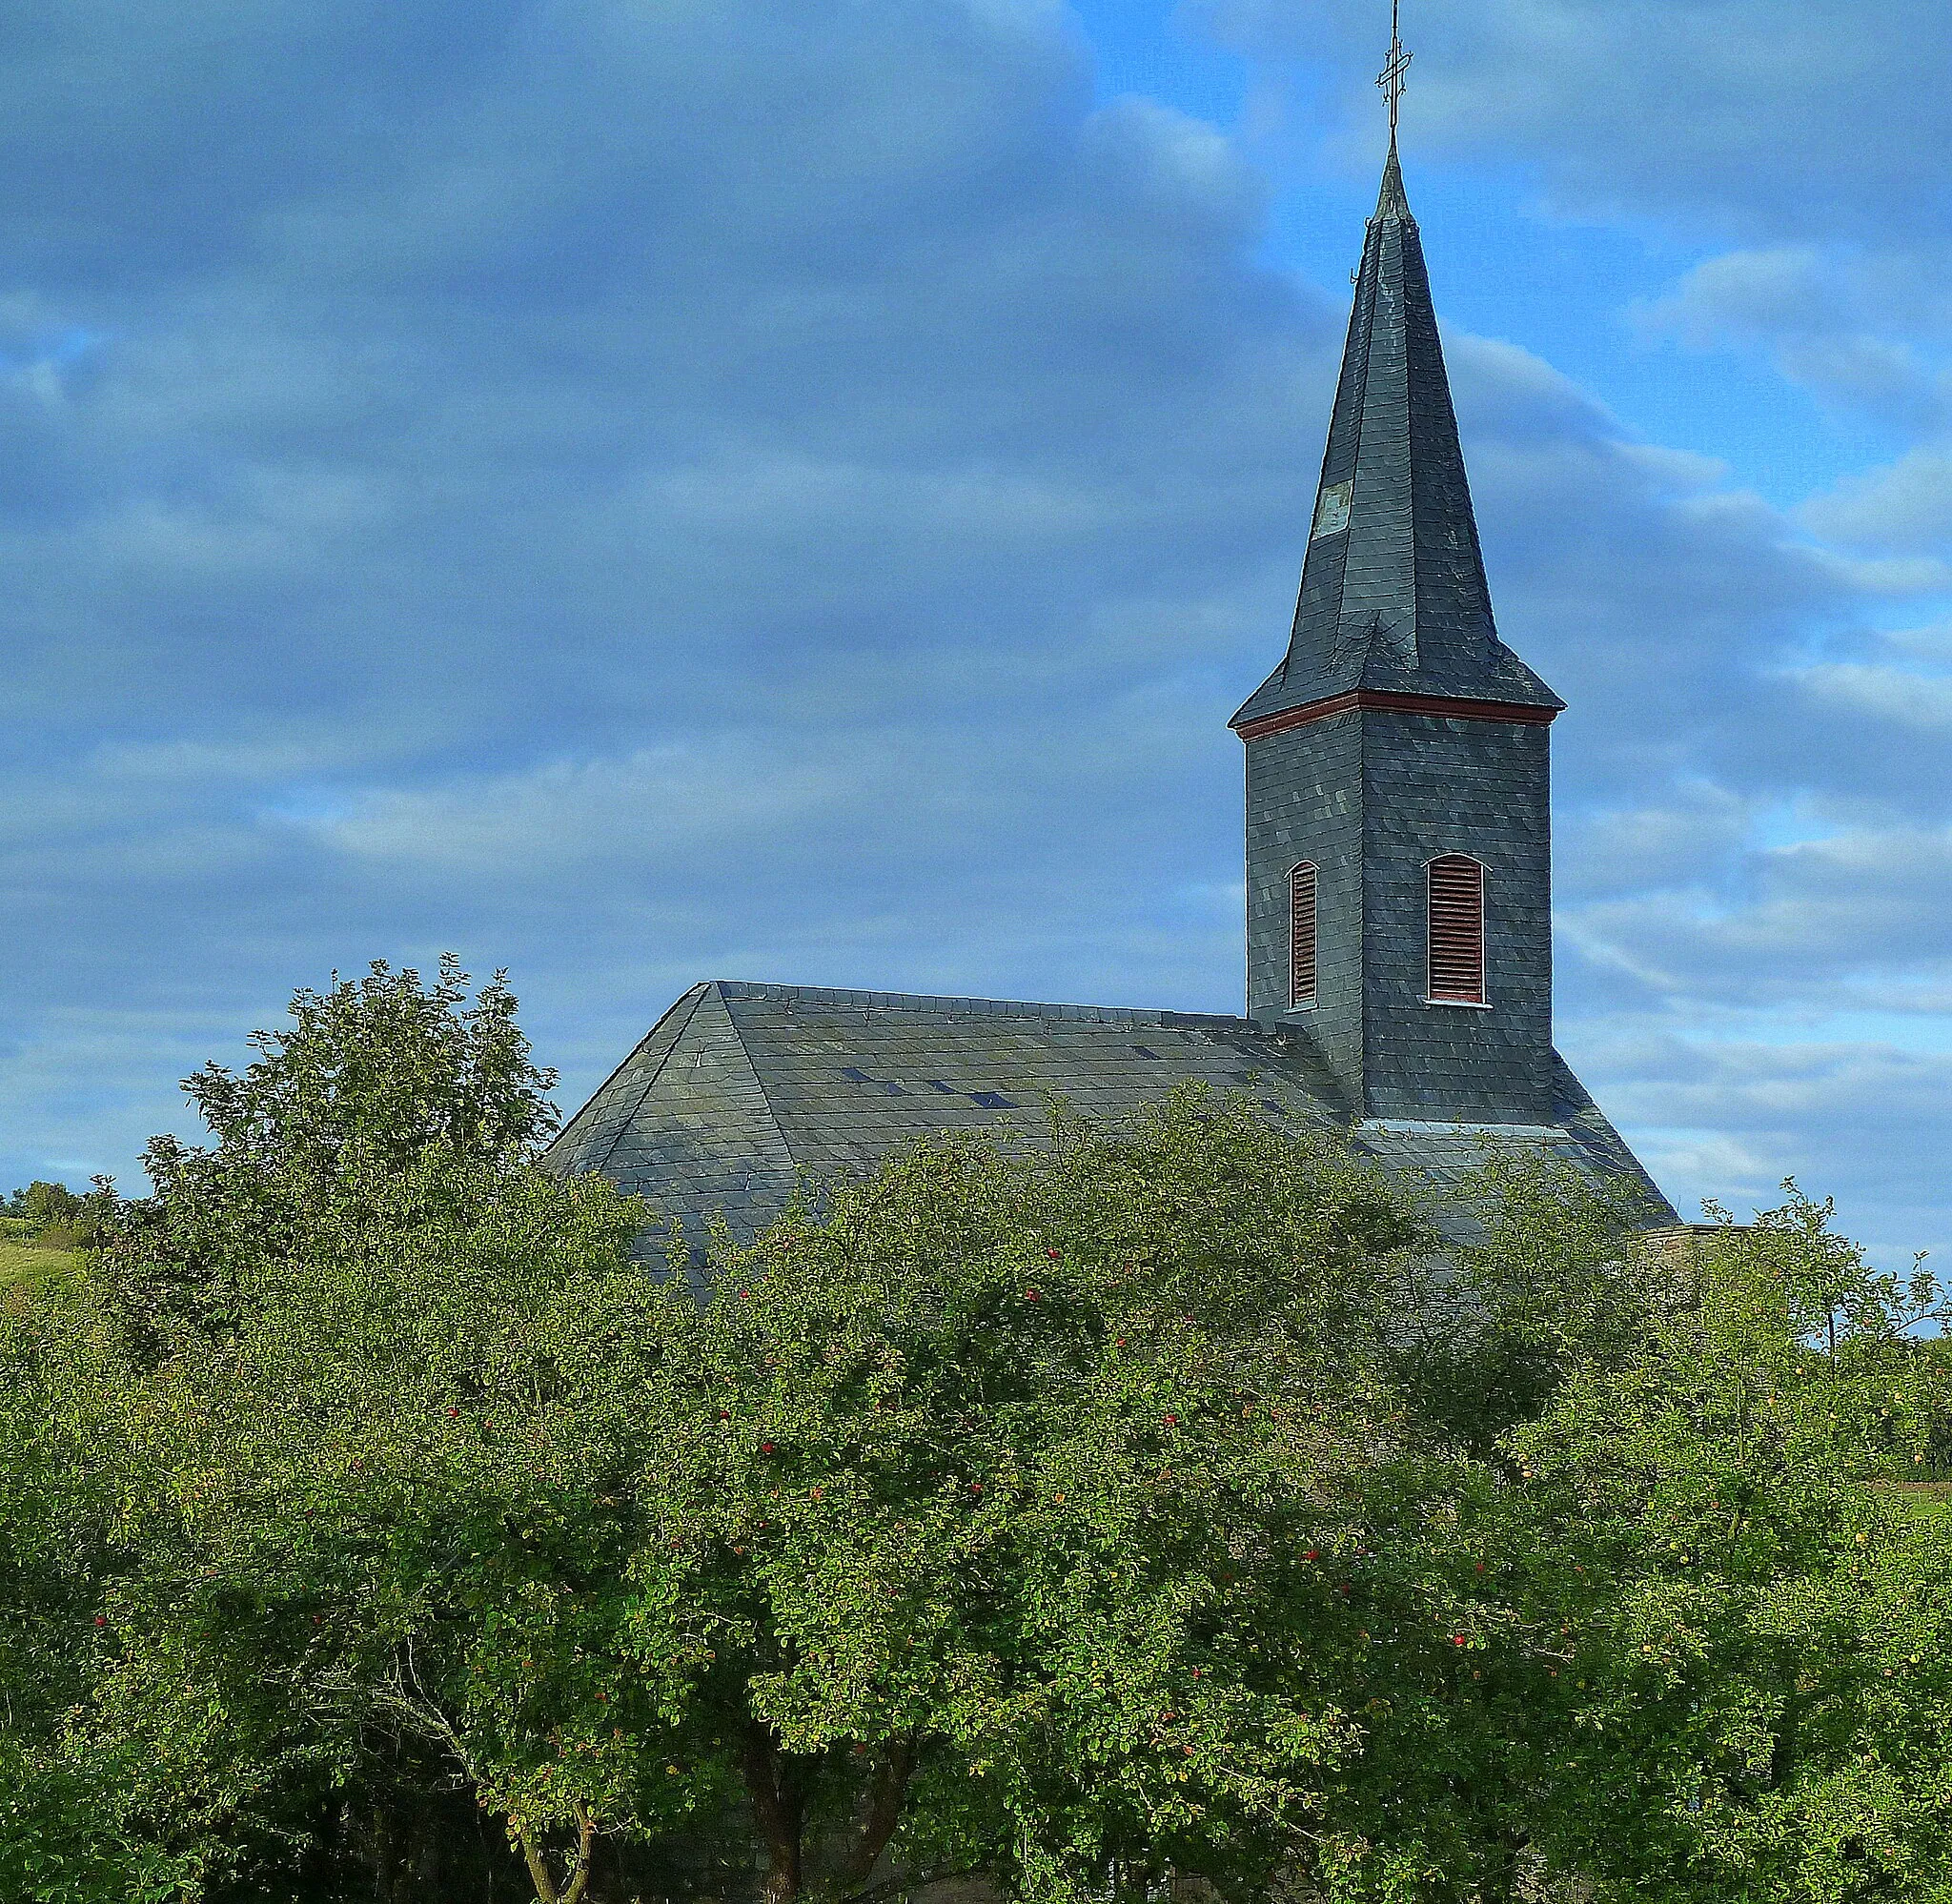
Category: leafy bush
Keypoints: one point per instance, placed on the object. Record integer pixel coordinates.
(1157, 1501)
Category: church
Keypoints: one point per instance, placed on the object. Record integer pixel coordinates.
(1398, 835)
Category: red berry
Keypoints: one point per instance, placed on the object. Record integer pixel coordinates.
(1171, 1420)
(1052, 1254)
(101, 1619)
(975, 1486)
(766, 1448)
(1029, 1295)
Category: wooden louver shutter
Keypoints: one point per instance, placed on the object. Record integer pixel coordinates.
(1456, 929)
(1301, 936)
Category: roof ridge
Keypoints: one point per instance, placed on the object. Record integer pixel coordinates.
(744, 988)
(722, 991)
(697, 995)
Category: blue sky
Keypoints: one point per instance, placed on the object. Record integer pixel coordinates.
(636, 491)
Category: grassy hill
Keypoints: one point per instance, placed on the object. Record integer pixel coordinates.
(33, 1254)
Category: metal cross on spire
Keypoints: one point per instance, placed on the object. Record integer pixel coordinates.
(1391, 78)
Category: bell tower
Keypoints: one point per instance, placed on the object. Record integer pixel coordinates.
(1398, 780)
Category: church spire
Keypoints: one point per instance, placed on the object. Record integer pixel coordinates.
(1394, 596)
(1391, 200)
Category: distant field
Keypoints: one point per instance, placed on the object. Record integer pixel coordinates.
(1925, 1497)
(22, 1264)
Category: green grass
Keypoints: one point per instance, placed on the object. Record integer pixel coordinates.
(26, 1265)
(1923, 1497)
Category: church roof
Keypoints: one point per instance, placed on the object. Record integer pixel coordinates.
(1392, 595)
(741, 1090)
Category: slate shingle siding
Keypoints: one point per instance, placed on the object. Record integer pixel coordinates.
(1305, 791)
(1373, 797)
(742, 1089)
(1394, 603)
(1396, 599)
(1481, 787)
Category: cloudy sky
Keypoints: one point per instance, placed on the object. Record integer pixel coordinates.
(637, 491)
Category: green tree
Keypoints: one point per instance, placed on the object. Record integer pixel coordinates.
(1167, 1498)
(988, 1520)
(1722, 1636)
(1543, 1274)
(66, 1829)
(1014, 1500)
(388, 1523)
(283, 1294)
(991, 1522)
(373, 1077)
(45, 1202)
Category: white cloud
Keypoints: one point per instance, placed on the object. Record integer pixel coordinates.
(1922, 703)
(1855, 329)
(1782, 119)
(638, 492)
(1686, 843)
(1907, 505)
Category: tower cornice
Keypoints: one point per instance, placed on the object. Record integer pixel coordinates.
(1449, 707)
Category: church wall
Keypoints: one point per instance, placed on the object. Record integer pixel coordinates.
(1304, 802)
(1372, 797)
(1434, 785)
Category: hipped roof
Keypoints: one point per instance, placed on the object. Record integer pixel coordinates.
(739, 1091)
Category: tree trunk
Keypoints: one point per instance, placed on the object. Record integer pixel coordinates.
(779, 1808)
(385, 1852)
(881, 1813)
(579, 1879)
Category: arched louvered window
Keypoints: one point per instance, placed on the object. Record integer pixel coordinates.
(1456, 930)
(1301, 937)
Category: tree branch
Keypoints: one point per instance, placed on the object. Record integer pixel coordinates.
(579, 1880)
(538, 1871)
(585, 1845)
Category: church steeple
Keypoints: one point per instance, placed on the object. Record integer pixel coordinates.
(1392, 592)
(1398, 808)
(1391, 202)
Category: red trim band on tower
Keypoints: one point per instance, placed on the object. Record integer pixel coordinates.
(1445, 706)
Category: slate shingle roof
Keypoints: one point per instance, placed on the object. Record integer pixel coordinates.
(1392, 591)
(740, 1087)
